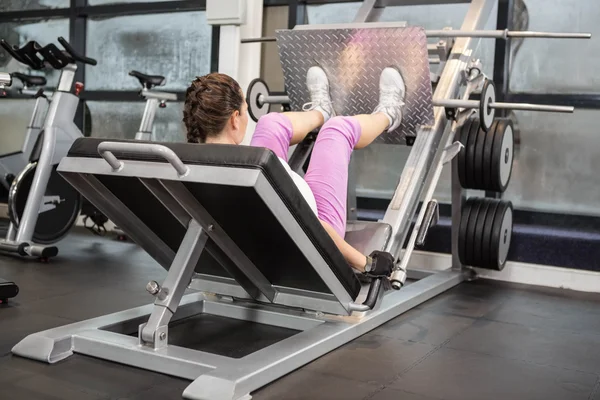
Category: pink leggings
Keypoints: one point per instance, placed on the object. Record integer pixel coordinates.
(327, 174)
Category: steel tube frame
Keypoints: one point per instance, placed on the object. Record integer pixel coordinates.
(459, 103)
(462, 33)
(430, 142)
(217, 377)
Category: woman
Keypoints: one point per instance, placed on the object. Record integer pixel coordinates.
(216, 112)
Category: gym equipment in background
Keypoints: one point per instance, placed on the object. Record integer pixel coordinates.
(154, 99)
(14, 162)
(7, 289)
(42, 206)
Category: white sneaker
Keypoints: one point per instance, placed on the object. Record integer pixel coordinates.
(318, 86)
(391, 96)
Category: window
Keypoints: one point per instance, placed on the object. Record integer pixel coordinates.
(20, 5)
(176, 45)
(558, 65)
(19, 33)
(121, 120)
(14, 117)
(557, 163)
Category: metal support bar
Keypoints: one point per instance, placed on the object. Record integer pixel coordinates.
(296, 13)
(174, 286)
(159, 95)
(457, 103)
(115, 210)
(505, 34)
(145, 131)
(162, 195)
(220, 237)
(484, 34)
(367, 12)
(502, 53)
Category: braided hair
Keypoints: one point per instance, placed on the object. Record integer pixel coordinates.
(209, 103)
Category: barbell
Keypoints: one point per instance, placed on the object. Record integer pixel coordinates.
(259, 100)
(489, 34)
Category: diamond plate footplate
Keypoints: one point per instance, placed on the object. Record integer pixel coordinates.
(353, 59)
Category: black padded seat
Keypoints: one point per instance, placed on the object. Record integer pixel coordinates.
(239, 210)
(148, 81)
(29, 80)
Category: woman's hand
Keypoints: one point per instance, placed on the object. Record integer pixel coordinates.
(379, 264)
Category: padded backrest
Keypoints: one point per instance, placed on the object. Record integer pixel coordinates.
(239, 210)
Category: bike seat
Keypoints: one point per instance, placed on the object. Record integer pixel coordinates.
(149, 81)
(29, 80)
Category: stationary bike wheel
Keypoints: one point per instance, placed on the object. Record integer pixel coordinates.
(59, 209)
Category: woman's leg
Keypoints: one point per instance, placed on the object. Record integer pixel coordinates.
(278, 131)
(327, 174)
(371, 125)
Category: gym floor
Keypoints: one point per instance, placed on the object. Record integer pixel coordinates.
(480, 340)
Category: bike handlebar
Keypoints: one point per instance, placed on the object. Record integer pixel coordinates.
(77, 57)
(35, 56)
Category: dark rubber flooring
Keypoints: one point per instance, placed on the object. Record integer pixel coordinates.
(481, 340)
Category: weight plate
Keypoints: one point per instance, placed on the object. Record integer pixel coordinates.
(59, 209)
(486, 237)
(462, 156)
(256, 109)
(478, 255)
(462, 231)
(478, 159)
(487, 157)
(501, 236)
(502, 155)
(471, 239)
(486, 113)
(470, 161)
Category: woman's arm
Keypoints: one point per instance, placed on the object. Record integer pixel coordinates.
(355, 258)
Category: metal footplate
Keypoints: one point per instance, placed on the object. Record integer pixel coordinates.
(353, 59)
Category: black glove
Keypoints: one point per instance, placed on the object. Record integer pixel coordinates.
(379, 264)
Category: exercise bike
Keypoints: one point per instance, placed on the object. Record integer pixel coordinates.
(42, 206)
(7, 289)
(154, 100)
(15, 161)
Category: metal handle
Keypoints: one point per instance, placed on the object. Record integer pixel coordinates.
(372, 295)
(106, 149)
